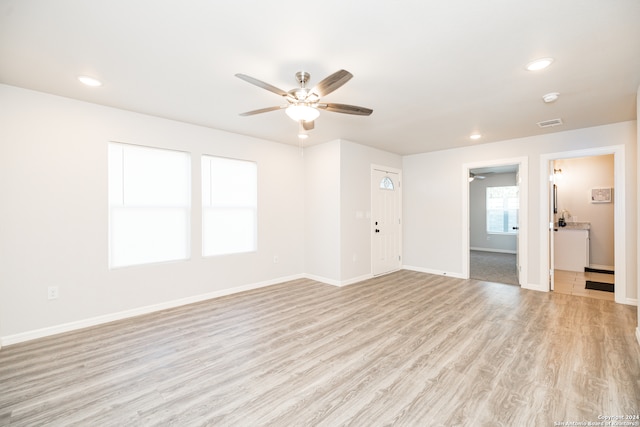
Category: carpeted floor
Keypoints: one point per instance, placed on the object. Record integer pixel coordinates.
(493, 267)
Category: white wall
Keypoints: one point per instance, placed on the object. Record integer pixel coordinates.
(578, 177)
(478, 236)
(322, 211)
(433, 203)
(355, 206)
(53, 187)
(337, 213)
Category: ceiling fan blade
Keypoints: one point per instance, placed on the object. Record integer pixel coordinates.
(346, 109)
(261, 84)
(331, 83)
(308, 125)
(262, 110)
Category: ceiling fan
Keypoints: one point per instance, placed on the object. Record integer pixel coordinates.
(303, 104)
(473, 176)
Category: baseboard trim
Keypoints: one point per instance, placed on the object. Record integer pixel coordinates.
(322, 279)
(338, 283)
(357, 279)
(98, 320)
(534, 287)
(431, 271)
(499, 251)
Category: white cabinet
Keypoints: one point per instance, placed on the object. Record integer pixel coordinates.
(571, 249)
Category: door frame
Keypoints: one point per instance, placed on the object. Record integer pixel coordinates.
(523, 214)
(389, 169)
(619, 215)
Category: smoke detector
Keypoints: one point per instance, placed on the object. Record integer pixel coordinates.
(550, 97)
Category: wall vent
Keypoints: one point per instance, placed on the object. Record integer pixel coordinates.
(550, 123)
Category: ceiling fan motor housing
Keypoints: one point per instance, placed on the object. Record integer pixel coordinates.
(302, 77)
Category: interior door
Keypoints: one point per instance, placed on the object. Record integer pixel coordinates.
(385, 221)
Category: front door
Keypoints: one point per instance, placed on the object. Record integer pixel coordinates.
(385, 221)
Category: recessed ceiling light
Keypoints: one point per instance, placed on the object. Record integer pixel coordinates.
(539, 64)
(90, 81)
(303, 136)
(475, 136)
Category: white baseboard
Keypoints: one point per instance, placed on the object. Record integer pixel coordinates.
(436, 272)
(338, 283)
(356, 280)
(535, 287)
(98, 320)
(499, 251)
(322, 279)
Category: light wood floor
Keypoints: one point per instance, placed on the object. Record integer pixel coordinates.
(403, 349)
(573, 283)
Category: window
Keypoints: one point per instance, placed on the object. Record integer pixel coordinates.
(502, 209)
(386, 183)
(229, 206)
(149, 205)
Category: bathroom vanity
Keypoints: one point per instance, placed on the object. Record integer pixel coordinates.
(571, 246)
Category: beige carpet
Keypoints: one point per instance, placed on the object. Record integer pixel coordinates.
(493, 267)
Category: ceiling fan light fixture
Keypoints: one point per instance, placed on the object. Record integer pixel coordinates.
(303, 113)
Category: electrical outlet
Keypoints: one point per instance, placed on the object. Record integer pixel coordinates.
(52, 292)
(275, 259)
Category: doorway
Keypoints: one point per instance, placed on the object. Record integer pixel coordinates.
(519, 166)
(493, 224)
(386, 223)
(582, 211)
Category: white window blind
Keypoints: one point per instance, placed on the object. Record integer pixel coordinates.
(503, 204)
(229, 206)
(149, 205)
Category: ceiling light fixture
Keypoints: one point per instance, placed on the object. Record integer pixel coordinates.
(539, 64)
(475, 136)
(90, 81)
(550, 97)
(303, 113)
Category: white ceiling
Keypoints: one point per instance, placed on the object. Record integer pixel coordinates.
(432, 71)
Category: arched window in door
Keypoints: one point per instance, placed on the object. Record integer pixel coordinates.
(387, 184)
